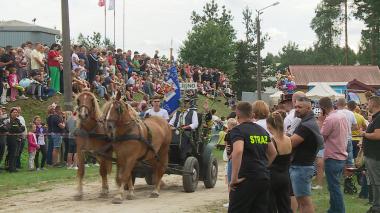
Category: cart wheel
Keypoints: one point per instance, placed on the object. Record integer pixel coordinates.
(211, 172)
(149, 178)
(190, 181)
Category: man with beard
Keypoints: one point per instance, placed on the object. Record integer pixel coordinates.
(371, 143)
(306, 141)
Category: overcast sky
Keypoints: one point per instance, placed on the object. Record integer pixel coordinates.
(151, 24)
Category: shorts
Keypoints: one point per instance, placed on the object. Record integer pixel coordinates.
(72, 145)
(320, 153)
(301, 179)
(57, 140)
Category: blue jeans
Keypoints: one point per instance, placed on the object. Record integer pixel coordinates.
(101, 90)
(49, 157)
(229, 171)
(301, 179)
(334, 171)
(350, 157)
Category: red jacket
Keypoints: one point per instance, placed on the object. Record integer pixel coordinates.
(32, 142)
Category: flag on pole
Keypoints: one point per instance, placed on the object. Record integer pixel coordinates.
(111, 5)
(172, 91)
(102, 3)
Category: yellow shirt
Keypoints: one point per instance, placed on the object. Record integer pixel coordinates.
(361, 125)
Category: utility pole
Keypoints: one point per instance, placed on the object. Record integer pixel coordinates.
(67, 81)
(258, 78)
(123, 24)
(171, 59)
(259, 12)
(345, 31)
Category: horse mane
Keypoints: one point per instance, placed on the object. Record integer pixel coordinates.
(98, 112)
(131, 111)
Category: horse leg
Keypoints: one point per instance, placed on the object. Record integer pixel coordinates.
(103, 172)
(125, 175)
(159, 170)
(80, 174)
(131, 189)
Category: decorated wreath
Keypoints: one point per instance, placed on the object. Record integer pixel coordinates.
(285, 82)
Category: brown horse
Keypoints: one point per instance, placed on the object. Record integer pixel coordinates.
(91, 137)
(135, 140)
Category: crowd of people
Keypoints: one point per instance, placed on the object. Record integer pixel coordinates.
(36, 70)
(273, 155)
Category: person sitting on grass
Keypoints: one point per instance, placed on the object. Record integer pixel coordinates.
(14, 86)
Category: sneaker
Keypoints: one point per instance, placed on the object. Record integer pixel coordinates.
(317, 187)
(23, 97)
(226, 205)
(8, 99)
(43, 169)
(38, 169)
(34, 97)
(3, 103)
(86, 165)
(59, 93)
(75, 167)
(69, 167)
(96, 164)
(40, 99)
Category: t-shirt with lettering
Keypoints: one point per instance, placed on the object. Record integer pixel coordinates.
(254, 161)
(304, 154)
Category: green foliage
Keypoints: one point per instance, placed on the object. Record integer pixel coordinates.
(210, 43)
(326, 23)
(95, 40)
(369, 12)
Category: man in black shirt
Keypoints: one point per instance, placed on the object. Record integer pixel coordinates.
(305, 141)
(252, 153)
(371, 144)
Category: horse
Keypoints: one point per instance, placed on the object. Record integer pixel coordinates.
(91, 137)
(133, 141)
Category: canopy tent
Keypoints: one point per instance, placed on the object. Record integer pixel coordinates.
(323, 90)
(275, 97)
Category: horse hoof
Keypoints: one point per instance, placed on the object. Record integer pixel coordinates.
(78, 197)
(154, 195)
(131, 197)
(117, 201)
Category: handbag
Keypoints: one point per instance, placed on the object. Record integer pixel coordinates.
(359, 161)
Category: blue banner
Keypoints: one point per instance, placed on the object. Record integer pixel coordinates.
(172, 91)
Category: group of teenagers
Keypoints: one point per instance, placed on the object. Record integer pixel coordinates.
(271, 155)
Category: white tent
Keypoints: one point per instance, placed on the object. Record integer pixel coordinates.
(323, 90)
(275, 97)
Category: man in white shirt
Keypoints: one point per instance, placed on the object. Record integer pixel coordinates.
(291, 121)
(187, 120)
(156, 110)
(132, 79)
(37, 58)
(182, 118)
(75, 57)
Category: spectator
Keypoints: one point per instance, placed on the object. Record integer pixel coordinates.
(82, 54)
(356, 139)
(15, 129)
(75, 57)
(3, 131)
(15, 87)
(335, 129)
(99, 88)
(93, 64)
(261, 113)
(32, 147)
(37, 59)
(54, 60)
(41, 141)
(251, 155)
(371, 144)
(279, 170)
(306, 141)
(71, 127)
(57, 126)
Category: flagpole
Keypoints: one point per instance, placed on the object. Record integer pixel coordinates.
(114, 25)
(123, 23)
(105, 22)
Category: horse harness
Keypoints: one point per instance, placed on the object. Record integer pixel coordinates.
(138, 137)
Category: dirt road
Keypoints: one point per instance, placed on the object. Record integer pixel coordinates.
(172, 198)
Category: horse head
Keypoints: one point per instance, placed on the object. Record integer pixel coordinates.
(88, 106)
(117, 117)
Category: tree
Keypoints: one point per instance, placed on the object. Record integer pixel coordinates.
(244, 77)
(369, 12)
(210, 43)
(95, 40)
